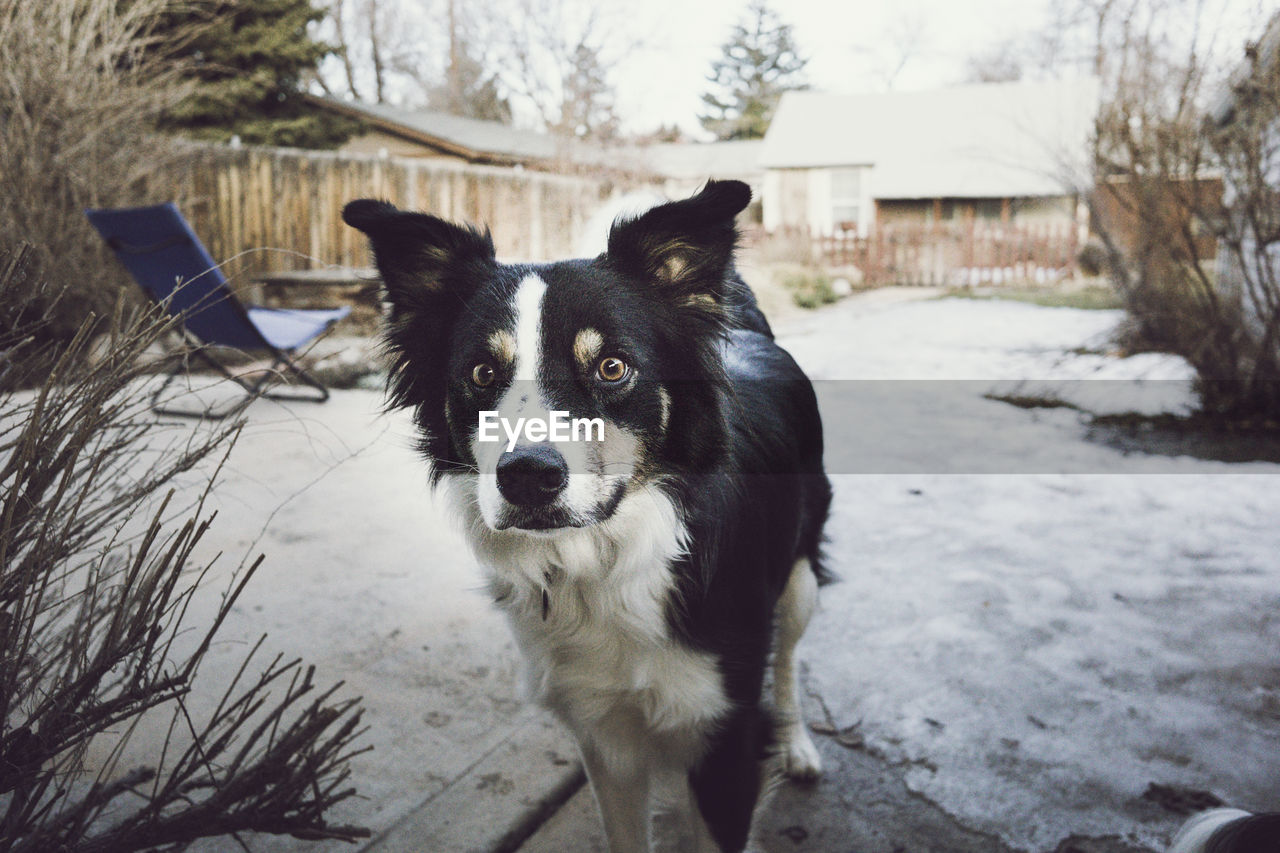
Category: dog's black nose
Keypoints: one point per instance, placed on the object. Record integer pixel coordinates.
(533, 475)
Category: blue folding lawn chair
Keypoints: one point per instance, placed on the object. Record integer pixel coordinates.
(165, 257)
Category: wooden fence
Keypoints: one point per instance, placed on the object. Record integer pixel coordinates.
(950, 255)
(268, 209)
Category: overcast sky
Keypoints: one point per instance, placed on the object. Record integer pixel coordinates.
(660, 51)
(853, 47)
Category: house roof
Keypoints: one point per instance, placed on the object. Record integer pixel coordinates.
(703, 160)
(972, 141)
(472, 139)
(681, 161)
(500, 144)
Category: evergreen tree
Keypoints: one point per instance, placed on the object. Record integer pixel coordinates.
(663, 133)
(758, 64)
(587, 109)
(470, 90)
(250, 60)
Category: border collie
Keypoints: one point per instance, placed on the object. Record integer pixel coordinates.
(647, 572)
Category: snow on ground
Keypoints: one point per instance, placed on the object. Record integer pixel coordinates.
(1037, 645)
(904, 386)
(894, 334)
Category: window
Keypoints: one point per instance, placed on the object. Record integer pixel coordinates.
(846, 198)
(989, 208)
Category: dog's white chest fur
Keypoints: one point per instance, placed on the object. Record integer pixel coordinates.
(587, 607)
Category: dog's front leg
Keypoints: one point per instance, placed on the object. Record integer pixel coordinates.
(621, 784)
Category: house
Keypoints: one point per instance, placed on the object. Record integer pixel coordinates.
(1251, 84)
(422, 133)
(1014, 152)
(676, 169)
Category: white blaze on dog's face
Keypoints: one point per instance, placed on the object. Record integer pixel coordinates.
(625, 342)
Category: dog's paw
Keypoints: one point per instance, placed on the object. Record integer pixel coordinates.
(801, 756)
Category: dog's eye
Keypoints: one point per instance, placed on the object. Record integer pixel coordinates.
(612, 369)
(482, 375)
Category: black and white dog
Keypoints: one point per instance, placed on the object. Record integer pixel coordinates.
(650, 562)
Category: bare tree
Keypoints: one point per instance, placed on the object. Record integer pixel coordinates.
(79, 93)
(470, 86)
(554, 59)
(1001, 63)
(1198, 268)
(375, 25)
(903, 39)
(387, 50)
(1183, 194)
(1245, 137)
(342, 35)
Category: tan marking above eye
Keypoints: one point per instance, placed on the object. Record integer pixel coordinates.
(482, 375)
(503, 345)
(612, 369)
(587, 345)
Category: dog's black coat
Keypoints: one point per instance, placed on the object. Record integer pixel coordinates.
(740, 454)
(1259, 833)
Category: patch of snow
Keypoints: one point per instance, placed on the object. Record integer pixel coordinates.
(1039, 646)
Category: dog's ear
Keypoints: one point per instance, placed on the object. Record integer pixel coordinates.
(684, 246)
(419, 255)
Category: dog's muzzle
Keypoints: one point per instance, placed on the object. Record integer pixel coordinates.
(532, 476)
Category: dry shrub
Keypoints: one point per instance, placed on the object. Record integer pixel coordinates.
(1092, 258)
(97, 570)
(1197, 258)
(809, 287)
(80, 92)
